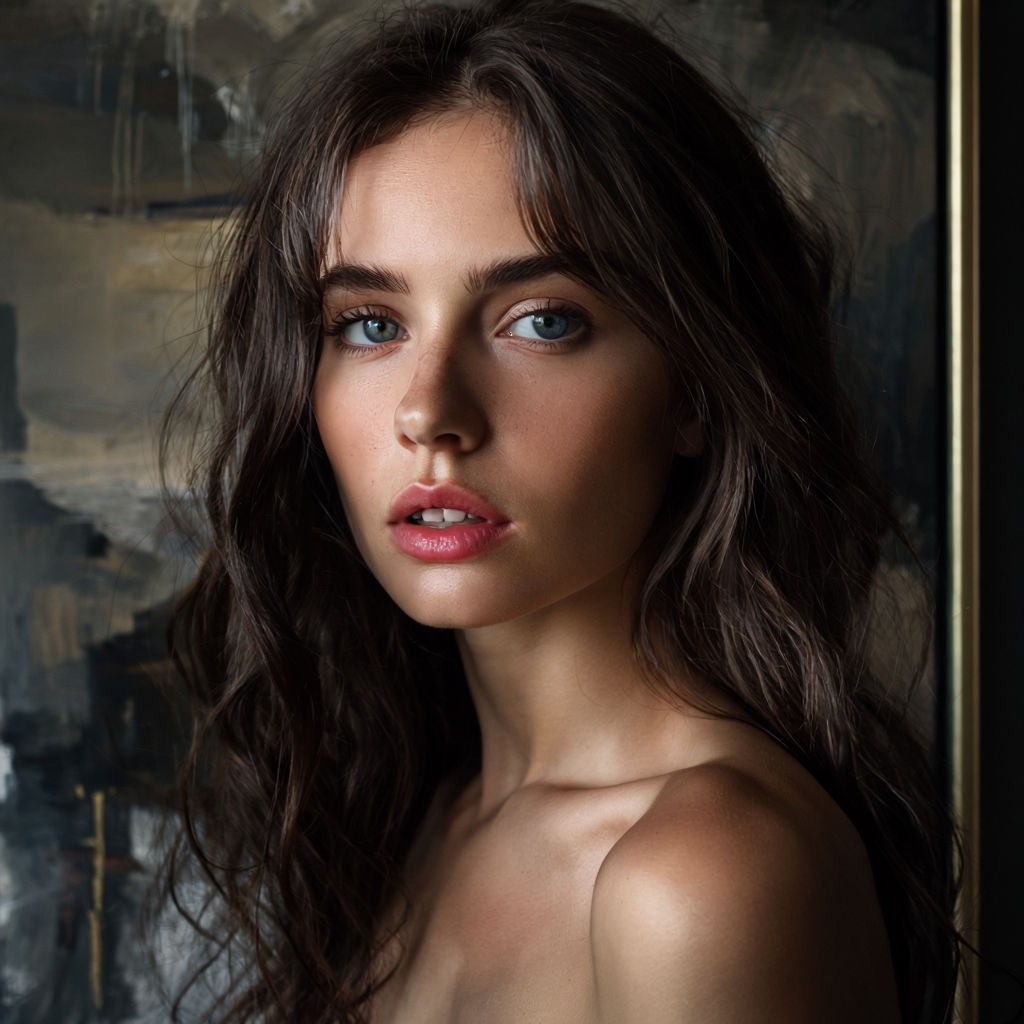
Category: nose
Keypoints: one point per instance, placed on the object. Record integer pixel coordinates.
(442, 408)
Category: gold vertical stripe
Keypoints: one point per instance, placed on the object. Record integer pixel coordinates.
(96, 958)
(99, 867)
(963, 466)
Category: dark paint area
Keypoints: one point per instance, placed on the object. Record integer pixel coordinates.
(12, 420)
(118, 98)
(906, 28)
(89, 741)
(888, 357)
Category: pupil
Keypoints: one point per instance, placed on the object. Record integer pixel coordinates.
(550, 325)
(378, 329)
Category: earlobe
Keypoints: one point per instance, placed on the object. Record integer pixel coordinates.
(690, 437)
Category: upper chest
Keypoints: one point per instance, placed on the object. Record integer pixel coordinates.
(499, 929)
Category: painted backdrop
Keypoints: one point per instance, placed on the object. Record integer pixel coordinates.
(125, 126)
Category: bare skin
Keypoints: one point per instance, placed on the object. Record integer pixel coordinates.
(726, 888)
(620, 858)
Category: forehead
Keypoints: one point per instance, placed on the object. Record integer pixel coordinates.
(446, 178)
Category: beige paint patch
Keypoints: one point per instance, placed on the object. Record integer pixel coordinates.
(107, 326)
(53, 625)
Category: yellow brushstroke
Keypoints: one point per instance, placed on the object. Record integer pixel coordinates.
(98, 842)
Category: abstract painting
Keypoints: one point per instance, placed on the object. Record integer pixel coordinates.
(127, 129)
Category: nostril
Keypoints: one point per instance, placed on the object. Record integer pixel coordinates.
(448, 440)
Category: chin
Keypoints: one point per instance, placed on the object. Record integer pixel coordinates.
(437, 616)
(455, 602)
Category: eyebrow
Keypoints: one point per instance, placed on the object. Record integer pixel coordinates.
(519, 269)
(498, 274)
(357, 277)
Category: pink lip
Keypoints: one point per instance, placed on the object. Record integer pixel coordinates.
(457, 542)
(420, 496)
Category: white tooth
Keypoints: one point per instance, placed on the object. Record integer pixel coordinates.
(454, 515)
(432, 515)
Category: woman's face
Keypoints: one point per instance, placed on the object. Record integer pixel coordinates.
(501, 436)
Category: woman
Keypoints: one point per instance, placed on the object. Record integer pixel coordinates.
(529, 656)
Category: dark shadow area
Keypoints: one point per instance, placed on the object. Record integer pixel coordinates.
(1002, 512)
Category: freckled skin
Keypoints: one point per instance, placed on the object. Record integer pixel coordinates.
(572, 443)
(618, 860)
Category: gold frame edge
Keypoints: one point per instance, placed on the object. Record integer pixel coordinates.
(963, 467)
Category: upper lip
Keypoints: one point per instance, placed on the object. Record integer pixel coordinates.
(419, 496)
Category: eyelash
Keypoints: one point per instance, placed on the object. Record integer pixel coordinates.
(337, 327)
(580, 326)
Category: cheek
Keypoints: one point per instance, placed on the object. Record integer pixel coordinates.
(628, 422)
(610, 451)
(350, 426)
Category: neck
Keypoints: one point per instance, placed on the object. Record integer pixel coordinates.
(562, 700)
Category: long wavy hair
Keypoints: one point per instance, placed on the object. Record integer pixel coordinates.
(325, 719)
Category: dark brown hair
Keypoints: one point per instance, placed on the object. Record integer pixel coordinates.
(325, 719)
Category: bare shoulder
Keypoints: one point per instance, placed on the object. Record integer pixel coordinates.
(740, 896)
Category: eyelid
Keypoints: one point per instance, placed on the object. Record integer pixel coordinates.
(559, 307)
(338, 323)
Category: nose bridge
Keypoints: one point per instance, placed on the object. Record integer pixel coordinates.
(441, 407)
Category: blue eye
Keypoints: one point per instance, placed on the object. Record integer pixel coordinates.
(545, 326)
(370, 330)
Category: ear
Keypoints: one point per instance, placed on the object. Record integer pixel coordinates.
(689, 435)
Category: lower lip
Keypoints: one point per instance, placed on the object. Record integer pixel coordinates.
(452, 544)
